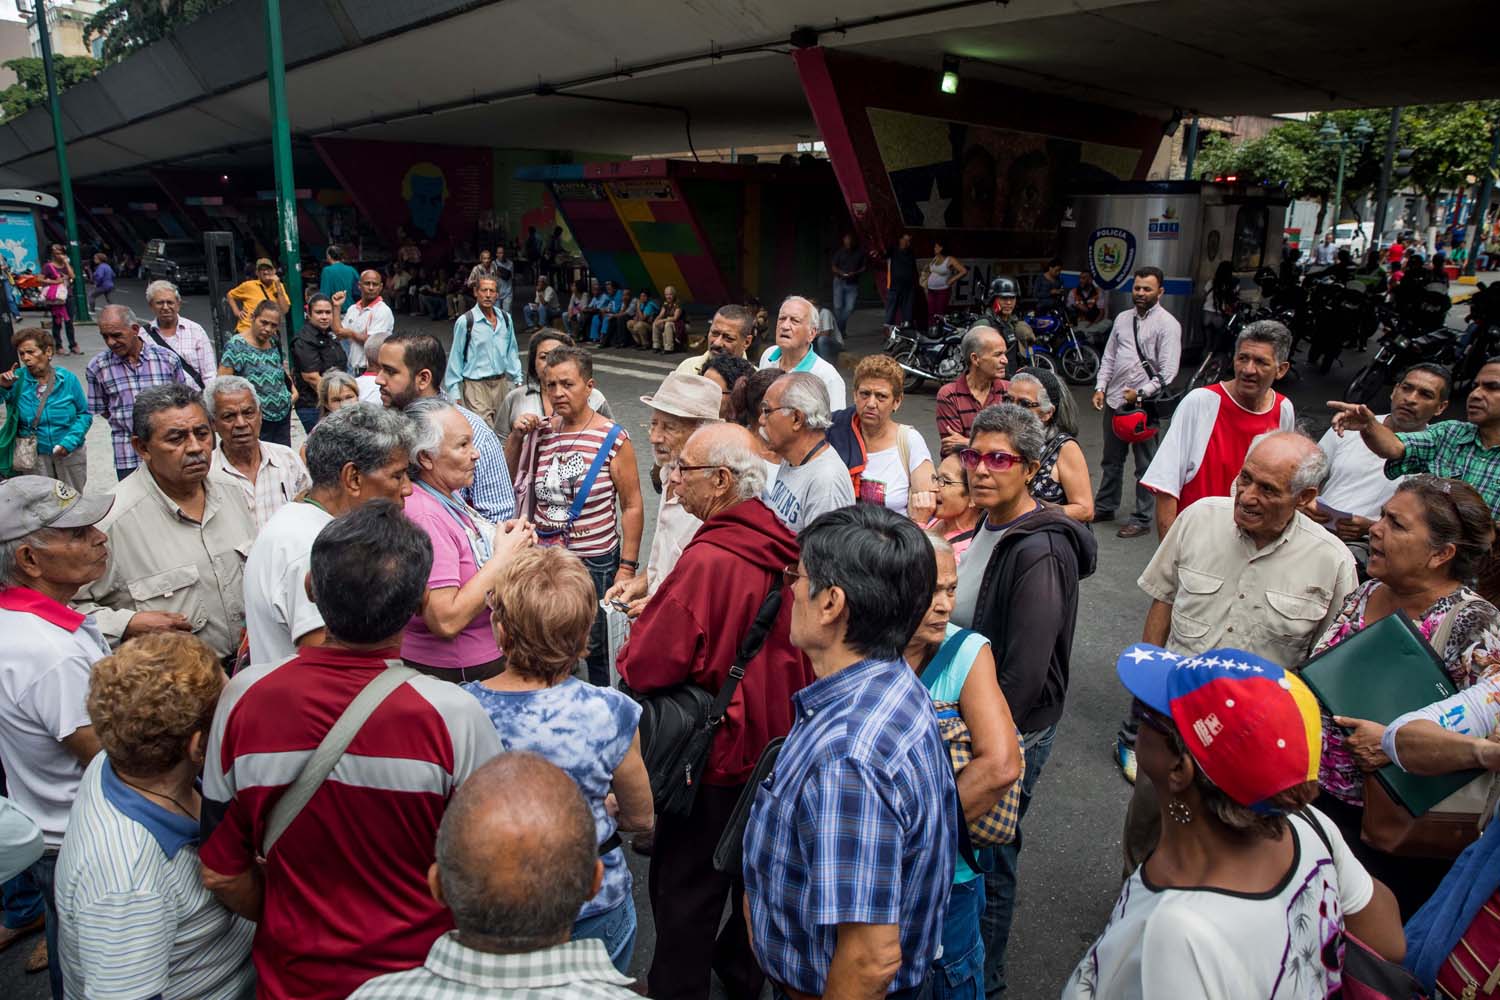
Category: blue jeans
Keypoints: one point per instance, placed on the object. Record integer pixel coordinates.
(1000, 884)
(44, 874)
(538, 315)
(602, 569)
(959, 974)
(616, 928)
(309, 417)
(22, 900)
(845, 295)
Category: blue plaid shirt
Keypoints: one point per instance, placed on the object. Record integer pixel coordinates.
(492, 493)
(857, 824)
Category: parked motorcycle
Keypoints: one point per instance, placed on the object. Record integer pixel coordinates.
(1403, 345)
(928, 354)
(1058, 346)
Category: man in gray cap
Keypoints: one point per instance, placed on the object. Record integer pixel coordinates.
(680, 405)
(49, 548)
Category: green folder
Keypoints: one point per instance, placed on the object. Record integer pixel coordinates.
(1379, 673)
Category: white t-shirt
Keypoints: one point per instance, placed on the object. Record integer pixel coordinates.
(369, 391)
(368, 320)
(675, 527)
(827, 374)
(802, 492)
(1356, 475)
(1217, 945)
(1210, 431)
(884, 481)
(277, 608)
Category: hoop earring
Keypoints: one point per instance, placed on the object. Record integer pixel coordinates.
(1180, 813)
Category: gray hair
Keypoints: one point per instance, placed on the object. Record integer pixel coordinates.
(1023, 428)
(1312, 467)
(9, 569)
(807, 394)
(940, 544)
(362, 434)
(1268, 331)
(425, 415)
(747, 467)
(812, 310)
(1044, 401)
(162, 285)
(969, 346)
(227, 385)
(159, 398)
(120, 311)
(372, 346)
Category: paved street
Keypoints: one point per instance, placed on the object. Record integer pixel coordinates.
(1071, 862)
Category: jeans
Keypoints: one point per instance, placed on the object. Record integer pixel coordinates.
(1112, 472)
(538, 315)
(22, 900)
(845, 295)
(602, 569)
(309, 417)
(433, 306)
(616, 928)
(277, 431)
(44, 873)
(959, 974)
(1000, 884)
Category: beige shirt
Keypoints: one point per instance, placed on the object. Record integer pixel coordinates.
(675, 527)
(694, 365)
(162, 560)
(280, 479)
(1274, 601)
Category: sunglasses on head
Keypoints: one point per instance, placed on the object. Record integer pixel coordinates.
(995, 461)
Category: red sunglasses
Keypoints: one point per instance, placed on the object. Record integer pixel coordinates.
(995, 461)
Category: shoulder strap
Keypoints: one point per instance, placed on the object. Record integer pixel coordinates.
(463, 361)
(755, 638)
(1146, 363)
(587, 485)
(187, 365)
(903, 451)
(323, 759)
(1445, 629)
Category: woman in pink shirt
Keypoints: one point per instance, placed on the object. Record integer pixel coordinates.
(451, 638)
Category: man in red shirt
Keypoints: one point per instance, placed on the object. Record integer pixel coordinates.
(1212, 427)
(689, 632)
(342, 896)
(981, 385)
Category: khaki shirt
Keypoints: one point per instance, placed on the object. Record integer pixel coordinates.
(162, 560)
(1275, 602)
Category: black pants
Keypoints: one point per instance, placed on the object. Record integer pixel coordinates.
(687, 902)
(898, 301)
(277, 431)
(59, 328)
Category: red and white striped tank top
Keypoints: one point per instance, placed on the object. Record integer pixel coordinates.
(563, 460)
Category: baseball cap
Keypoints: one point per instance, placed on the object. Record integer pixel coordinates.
(1132, 427)
(1252, 727)
(264, 262)
(31, 503)
(690, 396)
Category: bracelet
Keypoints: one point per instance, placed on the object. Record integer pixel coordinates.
(631, 563)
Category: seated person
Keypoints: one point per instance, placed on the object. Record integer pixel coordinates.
(642, 313)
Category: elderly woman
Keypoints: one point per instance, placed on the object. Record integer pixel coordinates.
(255, 355)
(336, 390)
(1250, 891)
(1431, 536)
(544, 611)
(956, 518)
(1063, 477)
(451, 638)
(135, 918)
(584, 485)
(50, 408)
(956, 665)
(528, 397)
(898, 464)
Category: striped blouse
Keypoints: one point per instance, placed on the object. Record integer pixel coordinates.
(563, 460)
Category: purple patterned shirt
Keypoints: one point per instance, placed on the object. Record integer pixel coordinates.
(113, 384)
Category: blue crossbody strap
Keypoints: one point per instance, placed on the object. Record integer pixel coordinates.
(587, 485)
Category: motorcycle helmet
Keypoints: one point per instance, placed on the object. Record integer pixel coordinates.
(1267, 278)
(1004, 288)
(1132, 427)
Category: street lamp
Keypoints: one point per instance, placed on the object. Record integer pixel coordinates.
(1332, 136)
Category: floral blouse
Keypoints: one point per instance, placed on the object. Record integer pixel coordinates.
(1472, 651)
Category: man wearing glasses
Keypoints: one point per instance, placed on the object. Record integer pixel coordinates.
(689, 632)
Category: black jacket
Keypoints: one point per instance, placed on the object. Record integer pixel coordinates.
(314, 351)
(1027, 607)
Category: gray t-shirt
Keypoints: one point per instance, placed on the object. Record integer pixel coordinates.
(802, 492)
(971, 572)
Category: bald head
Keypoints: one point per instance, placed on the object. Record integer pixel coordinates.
(516, 854)
(725, 468)
(370, 283)
(1282, 470)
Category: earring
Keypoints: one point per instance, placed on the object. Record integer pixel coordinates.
(1180, 813)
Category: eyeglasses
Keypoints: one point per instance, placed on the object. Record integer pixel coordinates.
(944, 481)
(995, 461)
(790, 575)
(1141, 712)
(696, 468)
(1029, 404)
(766, 410)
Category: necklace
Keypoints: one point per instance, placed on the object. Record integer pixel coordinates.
(567, 445)
(185, 810)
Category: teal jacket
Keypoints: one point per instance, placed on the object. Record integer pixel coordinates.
(66, 418)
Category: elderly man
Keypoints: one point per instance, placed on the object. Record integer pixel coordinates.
(116, 375)
(326, 923)
(516, 858)
(1248, 571)
(368, 317)
(412, 367)
(689, 632)
(543, 309)
(812, 479)
(177, 537)
(179, 334)
(667, 323)
(849, 852)
(484, 363)
(270, 475)
(681, 405)
(982, 384)
(355, 455)
(730, 332)
(796, 326)
(49, 548)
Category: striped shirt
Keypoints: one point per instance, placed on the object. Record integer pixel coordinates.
(492, 493)
(957, 406)
(563, 460)
(113, 384)
(573, 970)
(281, 479)
(135, 918)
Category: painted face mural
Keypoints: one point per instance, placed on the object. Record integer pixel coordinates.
(425, 191)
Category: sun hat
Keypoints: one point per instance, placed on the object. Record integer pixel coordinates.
(690, 396)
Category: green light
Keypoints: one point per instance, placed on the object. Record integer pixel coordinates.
(950, 82)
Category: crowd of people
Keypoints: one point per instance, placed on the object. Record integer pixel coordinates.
(437, 643)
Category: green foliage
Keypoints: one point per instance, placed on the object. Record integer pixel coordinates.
(131, 24)
(1450, 143)
(30, 88)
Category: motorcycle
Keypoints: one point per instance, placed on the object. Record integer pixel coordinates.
(928, 354)
(1402, 346)
(1059, 348)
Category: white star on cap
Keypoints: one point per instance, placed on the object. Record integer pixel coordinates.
(1138, 654)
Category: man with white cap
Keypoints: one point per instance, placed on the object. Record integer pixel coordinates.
(680, 405)
(49, 548)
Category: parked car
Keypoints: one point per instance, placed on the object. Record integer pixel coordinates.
(181, 262)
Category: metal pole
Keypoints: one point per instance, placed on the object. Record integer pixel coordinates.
(281, 151)
(1338, 188)
(1383, 188)
(79, 306)
(1191, 153)
(1486, 187)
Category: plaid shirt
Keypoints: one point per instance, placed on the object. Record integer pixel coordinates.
(957, 408)
(113, 384)
(492, 493)
(1451, 449)
(857, 824)
(580, 969)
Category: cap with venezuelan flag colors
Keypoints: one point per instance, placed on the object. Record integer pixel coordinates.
(1251, 726)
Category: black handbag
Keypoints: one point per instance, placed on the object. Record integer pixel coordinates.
(1160, 406)
(678, 723)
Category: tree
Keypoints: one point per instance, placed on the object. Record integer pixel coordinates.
(30, 88)
(127, 25)
(1450, 143)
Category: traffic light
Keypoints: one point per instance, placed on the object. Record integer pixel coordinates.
(1402, 168)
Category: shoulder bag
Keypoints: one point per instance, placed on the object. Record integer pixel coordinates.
(678, 723)
(1161, 405)
(187, 366)
(321, 763)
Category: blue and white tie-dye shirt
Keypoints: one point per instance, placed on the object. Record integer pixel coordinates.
(585, 730)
